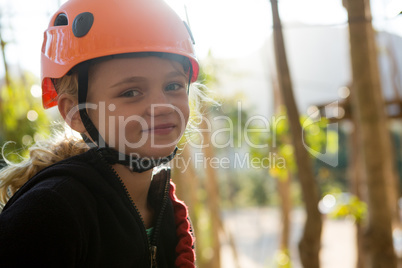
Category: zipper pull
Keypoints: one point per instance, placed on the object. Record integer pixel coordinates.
(153, 257)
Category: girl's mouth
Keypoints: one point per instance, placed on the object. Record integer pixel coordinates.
(162, 129)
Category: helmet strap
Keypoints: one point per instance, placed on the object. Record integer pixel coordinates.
(111, 155)
(97, 140)
(190, 76)
(135, 164)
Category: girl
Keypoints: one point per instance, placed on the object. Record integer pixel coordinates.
(119, 72)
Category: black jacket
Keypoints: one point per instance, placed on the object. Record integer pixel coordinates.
(77, 213)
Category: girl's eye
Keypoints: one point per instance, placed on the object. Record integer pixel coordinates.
(173, 87)
(130, 93)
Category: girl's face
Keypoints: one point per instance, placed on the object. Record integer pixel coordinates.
(139, 105)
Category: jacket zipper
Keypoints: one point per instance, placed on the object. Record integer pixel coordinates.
(151, 245)
(158, 225)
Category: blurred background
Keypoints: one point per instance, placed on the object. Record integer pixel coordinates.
(301, 164)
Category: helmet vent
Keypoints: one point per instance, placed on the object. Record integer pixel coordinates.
(61, 20)
(82, 24)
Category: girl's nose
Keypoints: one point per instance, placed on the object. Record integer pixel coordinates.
(160, 105)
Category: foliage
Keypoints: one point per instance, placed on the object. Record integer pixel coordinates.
(316, 137)
(348, 205)
(23, 119)
(207, 75)
(282, 259)
(253, 185)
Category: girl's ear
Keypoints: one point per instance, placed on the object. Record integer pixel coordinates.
(68, 108)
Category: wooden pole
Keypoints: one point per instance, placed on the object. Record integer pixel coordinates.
(309, 245)
(374, 138)
(213, 196)
(6, 77)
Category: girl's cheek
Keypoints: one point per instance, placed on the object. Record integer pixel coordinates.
(185, 110)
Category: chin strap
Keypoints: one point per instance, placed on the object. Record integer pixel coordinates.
(135, 164)
(111, 155)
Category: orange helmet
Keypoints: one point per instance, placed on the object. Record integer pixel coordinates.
(87, 29)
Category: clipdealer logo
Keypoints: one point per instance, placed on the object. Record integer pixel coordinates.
(226, 128)
(237, 161)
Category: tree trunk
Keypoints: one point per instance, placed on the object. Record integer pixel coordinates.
(286, 206)
(3, 53)
(374, 137)
(6, 77)
(283, 184)
(213, 196)
(309, 245)
(393, 182)
(358, 187)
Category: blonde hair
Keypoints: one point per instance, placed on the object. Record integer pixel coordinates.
(60, 147)
(42, 154)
